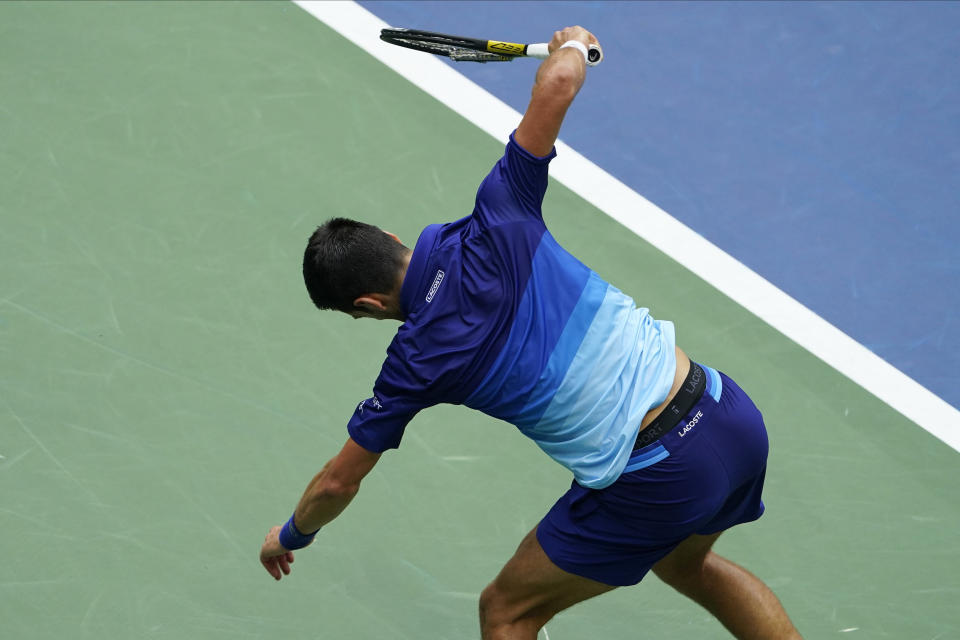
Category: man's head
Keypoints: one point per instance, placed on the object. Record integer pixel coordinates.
(356, 268)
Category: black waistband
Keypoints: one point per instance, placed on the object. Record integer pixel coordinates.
(689, 394)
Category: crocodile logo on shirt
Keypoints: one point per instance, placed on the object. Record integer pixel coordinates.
(373, 402)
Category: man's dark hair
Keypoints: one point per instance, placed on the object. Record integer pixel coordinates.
(346, 259)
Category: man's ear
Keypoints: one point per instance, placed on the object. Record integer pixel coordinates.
(392, 235)
(372, 302)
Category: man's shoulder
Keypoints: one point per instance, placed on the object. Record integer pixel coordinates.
(459, 311)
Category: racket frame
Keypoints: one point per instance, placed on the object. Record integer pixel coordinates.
(461, 48)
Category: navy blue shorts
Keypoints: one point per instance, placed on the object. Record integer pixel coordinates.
(703, 476)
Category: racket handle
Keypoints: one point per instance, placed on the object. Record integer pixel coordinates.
(541, 50)
(594, 55)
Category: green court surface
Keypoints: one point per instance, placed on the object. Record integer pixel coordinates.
(167, 389)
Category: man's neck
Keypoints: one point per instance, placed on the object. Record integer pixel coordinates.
(398, 312)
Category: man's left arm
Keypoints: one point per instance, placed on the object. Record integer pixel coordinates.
(327, 495)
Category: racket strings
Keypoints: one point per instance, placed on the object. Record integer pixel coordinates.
(440, 45)
(451, 51)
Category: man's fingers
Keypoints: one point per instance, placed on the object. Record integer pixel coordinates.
(270, 564)
(592, 38)
(570, 33)
(274, 558)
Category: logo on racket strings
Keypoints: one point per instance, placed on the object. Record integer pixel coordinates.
(436, 285)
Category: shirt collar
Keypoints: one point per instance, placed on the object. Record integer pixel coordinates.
(414, 279)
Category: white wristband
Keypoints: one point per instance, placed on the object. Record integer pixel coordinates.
(576, 44)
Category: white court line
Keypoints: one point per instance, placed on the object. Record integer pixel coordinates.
(654, 225)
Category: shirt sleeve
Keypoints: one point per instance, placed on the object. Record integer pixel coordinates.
(513, 190)
(379, 421)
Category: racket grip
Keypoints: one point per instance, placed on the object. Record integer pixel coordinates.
(594, 55)
(541, 50)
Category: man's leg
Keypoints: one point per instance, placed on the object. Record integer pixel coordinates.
(528, 592)
(737, 598)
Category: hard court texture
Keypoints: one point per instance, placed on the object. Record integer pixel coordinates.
(167, 390)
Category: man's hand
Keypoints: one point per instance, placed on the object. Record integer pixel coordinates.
(274, 558)
(572, 33)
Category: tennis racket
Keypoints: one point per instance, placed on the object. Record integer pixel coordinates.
(471, 49)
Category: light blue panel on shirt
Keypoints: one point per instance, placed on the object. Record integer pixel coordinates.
(564, 352)
(624, 366)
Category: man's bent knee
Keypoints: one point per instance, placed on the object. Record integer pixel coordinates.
(489, 605)
(498, 612)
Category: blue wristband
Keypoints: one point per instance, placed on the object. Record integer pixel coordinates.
(291, 538)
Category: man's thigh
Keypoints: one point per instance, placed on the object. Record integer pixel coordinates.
(530, 585)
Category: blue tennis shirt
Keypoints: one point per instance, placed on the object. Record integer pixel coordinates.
(500, 318)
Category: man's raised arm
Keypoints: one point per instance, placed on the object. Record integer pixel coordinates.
(559, 78)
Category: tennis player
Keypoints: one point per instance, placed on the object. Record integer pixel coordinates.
(665, 453)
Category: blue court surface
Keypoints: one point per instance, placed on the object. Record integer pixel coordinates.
(818, 143)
